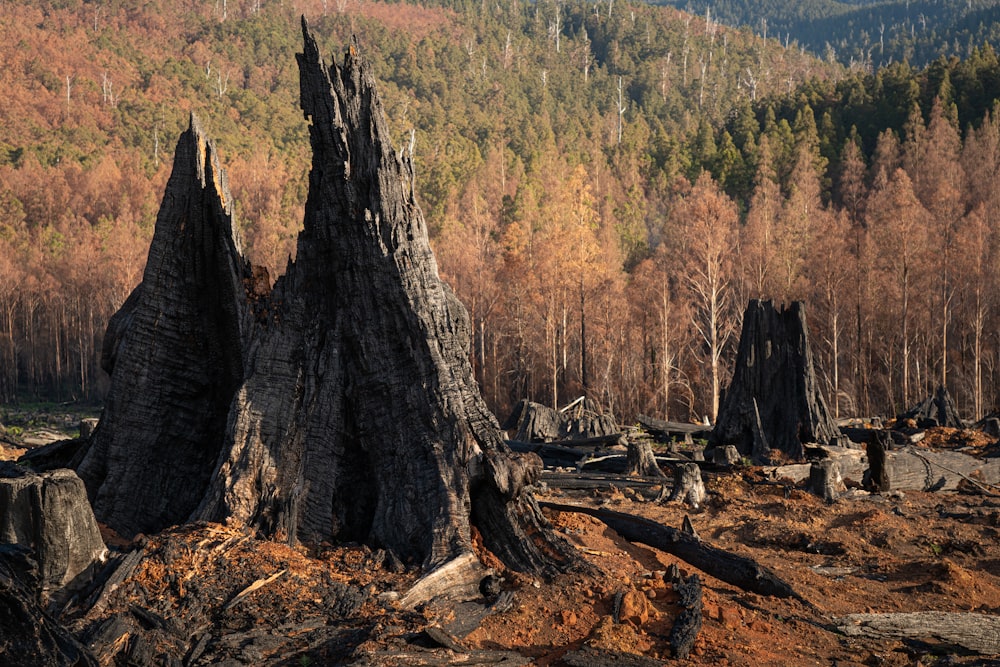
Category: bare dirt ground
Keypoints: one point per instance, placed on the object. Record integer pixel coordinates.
(257, 602)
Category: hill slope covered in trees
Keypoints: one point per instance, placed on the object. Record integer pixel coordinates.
(868, 33)
(606, 185)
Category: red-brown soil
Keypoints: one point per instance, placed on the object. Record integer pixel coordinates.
(900, 552)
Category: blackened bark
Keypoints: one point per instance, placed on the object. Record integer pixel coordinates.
(28, 636)
(48, 513)
(352, 413)
(688, 624)
(174, 353)
(936, 410)
(878, 478)
(774, 400)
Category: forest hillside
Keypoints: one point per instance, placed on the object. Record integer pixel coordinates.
(606, 185)
(868, 33)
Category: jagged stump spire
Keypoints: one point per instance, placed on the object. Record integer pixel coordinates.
(353, 412)
(174, 353)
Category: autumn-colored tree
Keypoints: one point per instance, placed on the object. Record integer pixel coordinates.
(664, 316)
(898, 222)
(824, 270)
(796, 224)
(976, 253)
(938, 180)
(757, 243)
(706, 238)
(852, 194)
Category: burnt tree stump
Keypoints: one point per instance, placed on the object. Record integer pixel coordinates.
(688, 485)
(936, 410)
(878, 477)
(641, 460)
(774, 401)
(825, 480)
(339, 404)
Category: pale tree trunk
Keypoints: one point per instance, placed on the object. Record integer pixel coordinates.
(978, 327)
(835, 323)
(906, 337)
(665, 361)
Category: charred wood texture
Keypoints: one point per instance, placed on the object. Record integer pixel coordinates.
(774, 401)
(688, 624)
(48, 514)
(28, 636)
(936, 410)
(344, 405)
(878, 477)
(581, 420)
(175, 355)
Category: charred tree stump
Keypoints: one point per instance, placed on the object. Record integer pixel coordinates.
(936, 410)
(339, 405)
(48, 513)
(825, 480)
(726, 456)
(774, 401)
(641, 460)
(688, 485)
(878, 477)
(175, 355)
(688, 623)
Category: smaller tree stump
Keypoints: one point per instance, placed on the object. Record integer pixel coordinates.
(726, 456)
(825, 480)
(878, 477)
(640, 459)
(688, 485)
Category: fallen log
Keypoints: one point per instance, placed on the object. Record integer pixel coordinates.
(852, 464)
(595, 442)
(671, 430)
(914, 469)
(593, 480)
(740, 571)
(551, 455)
(979, 633)
(618, 463)
(589, 656)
